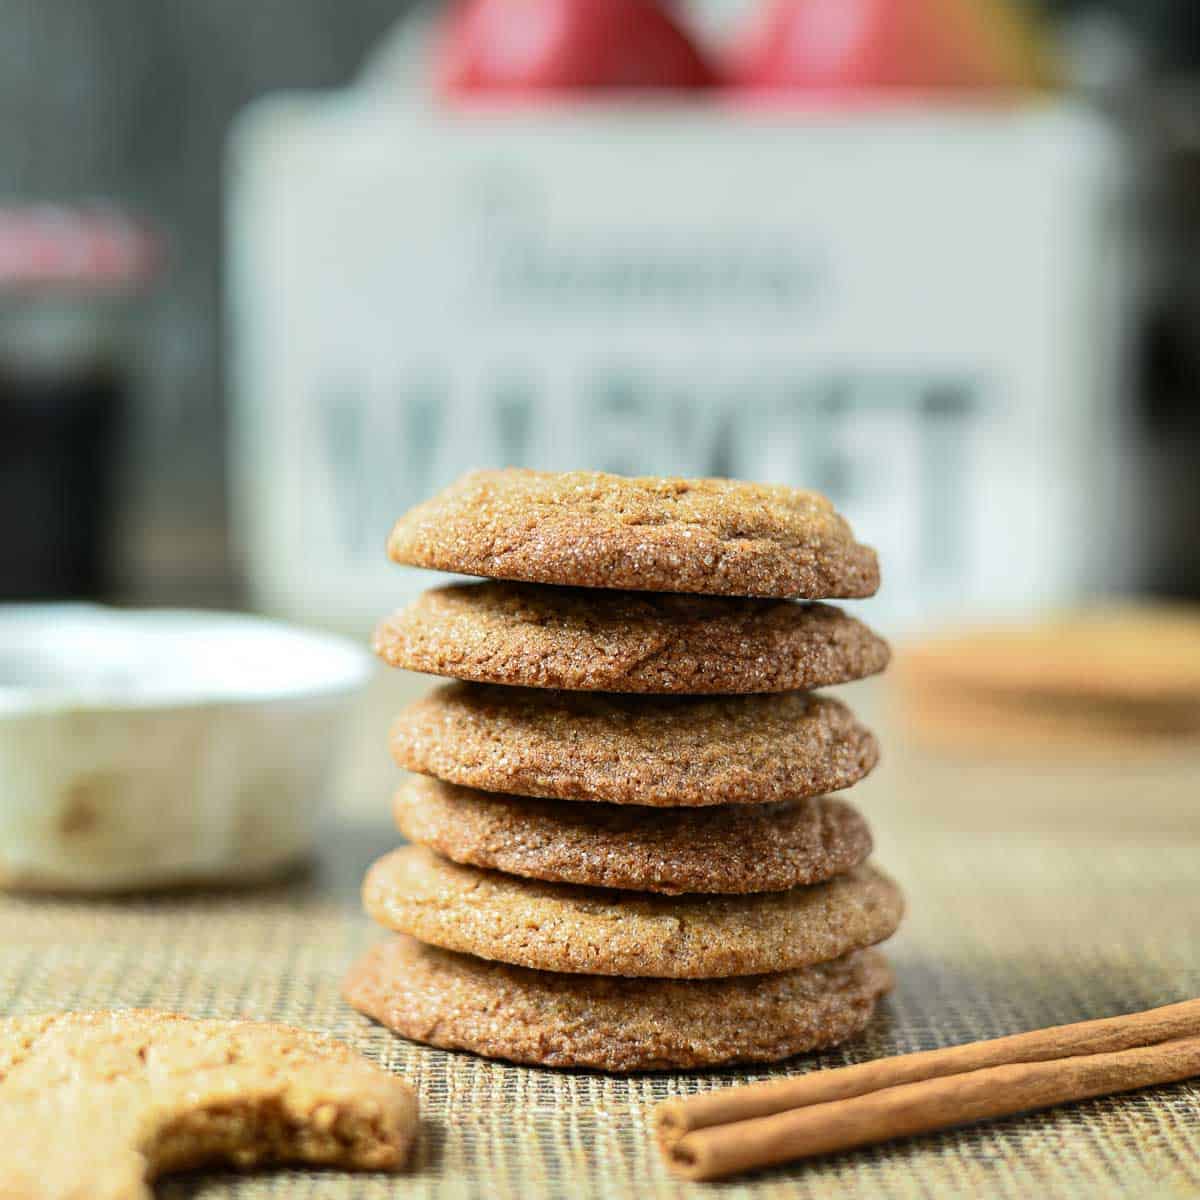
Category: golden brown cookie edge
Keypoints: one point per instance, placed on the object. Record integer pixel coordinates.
(595, 845)
(422, 740)
(569, 929)
(454, 1002)
(821, 646)
(469, 528)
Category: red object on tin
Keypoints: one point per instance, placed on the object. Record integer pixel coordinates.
(82, 248)
(848, 47)
(525, 47)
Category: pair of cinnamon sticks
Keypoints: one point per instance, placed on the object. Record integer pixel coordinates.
(744, 1128)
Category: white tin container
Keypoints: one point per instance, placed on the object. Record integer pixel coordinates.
(144, 749)
(920, 313)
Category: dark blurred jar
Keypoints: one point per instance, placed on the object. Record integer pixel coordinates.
(68, 280)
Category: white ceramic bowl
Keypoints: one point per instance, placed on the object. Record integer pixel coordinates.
(161, 747)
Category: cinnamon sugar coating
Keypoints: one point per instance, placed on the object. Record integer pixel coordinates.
(462, 1003)
(561, 927)
(590, 529)
(611, 641)
(727, 848)
(648, 750)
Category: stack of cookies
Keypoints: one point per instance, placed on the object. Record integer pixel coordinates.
(624, 855)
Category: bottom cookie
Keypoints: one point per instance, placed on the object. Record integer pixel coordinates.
(457, 1002)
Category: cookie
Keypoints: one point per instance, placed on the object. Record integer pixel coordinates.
(609, 641)
(1144, 654)
(1110, 683)
(458, 1002)
(648, 750)
(1035, 728)
(589, 529)
(560, 927)
(727, 848)
(100, 1103)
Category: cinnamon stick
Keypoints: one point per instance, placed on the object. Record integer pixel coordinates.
(925, 1106)
(674, 1118)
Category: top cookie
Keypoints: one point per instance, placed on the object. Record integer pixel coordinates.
(610, 641)
(589, 529)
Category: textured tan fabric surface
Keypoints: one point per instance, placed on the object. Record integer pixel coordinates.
(1035, 896)
(1006, 932)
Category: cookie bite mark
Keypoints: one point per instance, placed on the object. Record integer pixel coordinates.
(105, 1102)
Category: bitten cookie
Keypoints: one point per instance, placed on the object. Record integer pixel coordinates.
(648, 750)
(539, 1017)
(589, 529)
(560, 927)
(601, 641)
(100, 1103)
(727, 848)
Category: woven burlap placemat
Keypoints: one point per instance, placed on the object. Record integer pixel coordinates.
(1035, 897)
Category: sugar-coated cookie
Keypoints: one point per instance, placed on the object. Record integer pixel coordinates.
(589, 529)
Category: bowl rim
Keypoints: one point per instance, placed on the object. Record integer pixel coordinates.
(336, 666)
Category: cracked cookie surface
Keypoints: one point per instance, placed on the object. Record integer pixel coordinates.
(590, 529)
(648, 750)
(727, 848)
(458, 1002)
(612, 641)
(103, 1102)
(562, 927)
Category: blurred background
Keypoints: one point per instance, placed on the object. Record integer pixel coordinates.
(236, 344)
(271, 274)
